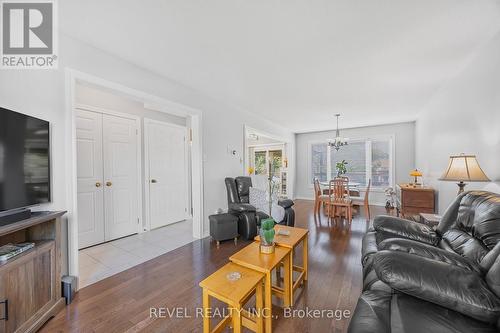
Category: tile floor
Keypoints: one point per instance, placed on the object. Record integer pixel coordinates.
(101, 261)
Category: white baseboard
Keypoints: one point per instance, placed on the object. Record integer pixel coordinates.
(303, 198)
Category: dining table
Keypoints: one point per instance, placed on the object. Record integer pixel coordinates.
(353, 189)
(352, 185)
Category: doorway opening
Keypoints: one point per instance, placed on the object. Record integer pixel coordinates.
(265, 155)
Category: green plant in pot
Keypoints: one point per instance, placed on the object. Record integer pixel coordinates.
(266, 234)
(341, 168)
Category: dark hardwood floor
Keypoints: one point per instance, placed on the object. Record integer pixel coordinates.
(122, 303)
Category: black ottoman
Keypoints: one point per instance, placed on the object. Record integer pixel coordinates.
(223, 226)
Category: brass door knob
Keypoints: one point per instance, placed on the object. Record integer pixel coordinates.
(97, 184)
(109, 183)
(154, 181)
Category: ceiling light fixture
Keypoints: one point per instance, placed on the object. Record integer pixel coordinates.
(338, 141)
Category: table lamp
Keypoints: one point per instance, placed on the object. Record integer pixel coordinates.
(464, 168)
(415, 173)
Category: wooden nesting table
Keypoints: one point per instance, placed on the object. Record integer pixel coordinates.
(234, 294)
(250, 257)
(297, 236)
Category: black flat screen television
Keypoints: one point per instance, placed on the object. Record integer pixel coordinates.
(24, 161)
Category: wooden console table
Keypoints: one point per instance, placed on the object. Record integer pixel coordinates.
(30, 283)
(414, 200)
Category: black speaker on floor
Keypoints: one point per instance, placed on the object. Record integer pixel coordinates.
(68, 284)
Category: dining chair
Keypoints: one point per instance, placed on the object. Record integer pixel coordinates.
(364, 201)
(349, 189)
(342, 177)
(319, 198)
(339, 197)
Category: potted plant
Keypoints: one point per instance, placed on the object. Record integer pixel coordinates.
(341, 168)
(266, 234)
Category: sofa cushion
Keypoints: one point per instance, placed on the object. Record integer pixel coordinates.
(465, 245)
(447, 285)
(243, 185)
(479, 215)
(412, 315)
(402, 228)
(382, 312)
(428, 251)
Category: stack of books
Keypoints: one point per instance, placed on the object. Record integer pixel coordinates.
(11, 250)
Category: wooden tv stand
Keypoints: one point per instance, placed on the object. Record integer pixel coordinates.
(30, 283)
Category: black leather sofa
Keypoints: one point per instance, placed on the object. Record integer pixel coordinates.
(238, 197)
(416, 279)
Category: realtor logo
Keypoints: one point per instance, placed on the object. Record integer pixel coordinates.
(28, 34)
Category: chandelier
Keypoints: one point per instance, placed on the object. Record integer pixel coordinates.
(338, 141)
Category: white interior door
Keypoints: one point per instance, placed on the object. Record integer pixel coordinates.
(167, 172)
(89, 178)
(120, 144)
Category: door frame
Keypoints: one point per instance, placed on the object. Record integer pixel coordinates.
(289, 149)
(153, 102)
(282, 141)
(148, 121)
(137, 119)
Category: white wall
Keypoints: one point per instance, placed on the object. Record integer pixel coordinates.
(41, 93)
(98, 97)
(404, 144)
(464, 117)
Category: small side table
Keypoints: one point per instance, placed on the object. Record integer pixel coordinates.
(432, 220)
(296, 237)
(234, 293)
(250, 257)
(223, 226)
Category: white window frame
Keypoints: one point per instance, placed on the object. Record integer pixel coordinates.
(368, 158)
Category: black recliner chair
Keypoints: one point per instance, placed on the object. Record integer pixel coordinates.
(238, 195)
(416, 279)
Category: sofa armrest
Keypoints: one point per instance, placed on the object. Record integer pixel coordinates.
(406, 229)
(286, 203)
(241, 207)
(372, 313)
(428, 251)
(447, 285)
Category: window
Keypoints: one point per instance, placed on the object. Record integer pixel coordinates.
(260, 163)
(355, 156)
(276, 161)
(366, 159)
(264, 156)
(319, 161)
(381, 163)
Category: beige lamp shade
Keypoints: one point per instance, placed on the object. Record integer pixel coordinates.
(464, 168)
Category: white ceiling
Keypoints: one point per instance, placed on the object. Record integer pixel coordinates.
(295, 62)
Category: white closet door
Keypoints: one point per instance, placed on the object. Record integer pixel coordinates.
(120, 141)
(89, 178)
(166, 150)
